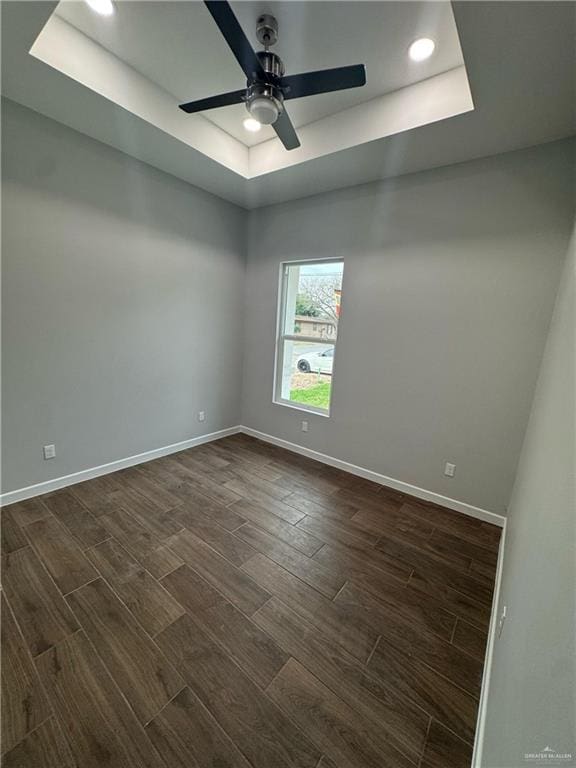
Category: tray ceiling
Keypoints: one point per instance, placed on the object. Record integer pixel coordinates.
(177, 46)
(518, 66)
(134, 55)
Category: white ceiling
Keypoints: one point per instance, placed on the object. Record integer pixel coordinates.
(85, 61)
(520, 63)
(178, 46)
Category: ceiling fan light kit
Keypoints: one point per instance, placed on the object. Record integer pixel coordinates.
(267, 86)
(265, 101)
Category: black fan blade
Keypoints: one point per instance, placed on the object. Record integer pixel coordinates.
(223, 100)
(234, 35)
(323, 81)
(286, 132)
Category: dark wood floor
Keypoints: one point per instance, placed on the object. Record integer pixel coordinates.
(237, 605)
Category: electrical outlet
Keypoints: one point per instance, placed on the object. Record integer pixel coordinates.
(449, 469)
(49, 451)
(304, 426)
(201, 415)
(501, 621)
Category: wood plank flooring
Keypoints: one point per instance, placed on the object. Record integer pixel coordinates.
(239, 606)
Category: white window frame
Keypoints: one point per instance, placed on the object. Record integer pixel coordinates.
(282, 338)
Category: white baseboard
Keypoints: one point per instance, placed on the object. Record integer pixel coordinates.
(494, 618)
(77, 477)
(104, 469)
(390, 482)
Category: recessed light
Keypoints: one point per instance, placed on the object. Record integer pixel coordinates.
(252, 125)
(103, 7)
(421, 49)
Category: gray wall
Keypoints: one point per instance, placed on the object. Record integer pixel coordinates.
(449, 283)
(533, 681)
(122, 303)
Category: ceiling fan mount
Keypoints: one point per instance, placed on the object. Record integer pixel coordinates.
(267, 86)
(267, 30)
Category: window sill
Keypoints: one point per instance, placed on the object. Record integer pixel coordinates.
(304, 408)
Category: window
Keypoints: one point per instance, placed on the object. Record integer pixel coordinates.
(309, 311)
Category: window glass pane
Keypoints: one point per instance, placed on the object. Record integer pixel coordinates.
(312, 299)
(307, 373)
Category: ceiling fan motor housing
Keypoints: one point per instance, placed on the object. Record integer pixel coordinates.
(265, 101)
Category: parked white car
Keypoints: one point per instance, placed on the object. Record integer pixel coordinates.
(317, 362)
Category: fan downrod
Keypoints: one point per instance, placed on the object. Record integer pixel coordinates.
(264, 99)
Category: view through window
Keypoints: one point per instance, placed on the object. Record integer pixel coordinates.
(311, 293)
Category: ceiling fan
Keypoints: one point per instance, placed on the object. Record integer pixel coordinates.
(267, 87)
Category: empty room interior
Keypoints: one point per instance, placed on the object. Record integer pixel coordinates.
(288, 464)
